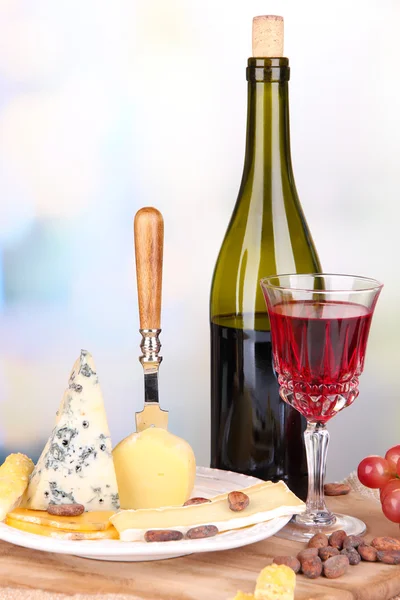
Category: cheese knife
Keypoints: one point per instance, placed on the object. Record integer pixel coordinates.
(149, 243)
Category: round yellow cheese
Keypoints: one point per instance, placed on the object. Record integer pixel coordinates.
(154, 468)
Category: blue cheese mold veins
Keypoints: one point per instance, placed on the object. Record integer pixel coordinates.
(76, 465)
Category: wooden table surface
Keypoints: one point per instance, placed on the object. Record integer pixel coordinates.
(33, 575)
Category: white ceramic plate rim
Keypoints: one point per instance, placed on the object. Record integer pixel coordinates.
(145, 551)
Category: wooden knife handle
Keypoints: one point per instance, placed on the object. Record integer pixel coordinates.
(149, 243)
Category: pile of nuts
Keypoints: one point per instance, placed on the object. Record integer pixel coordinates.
(332, 556)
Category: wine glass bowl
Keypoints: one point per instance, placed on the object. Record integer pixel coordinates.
(319, 330)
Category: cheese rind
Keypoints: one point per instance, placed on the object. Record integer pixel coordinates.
(267, 501)
(62, 534)
(14, 478)
(97, 520)
(76, 465)
(154, 468)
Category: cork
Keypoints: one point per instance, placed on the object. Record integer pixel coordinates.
(267, 36)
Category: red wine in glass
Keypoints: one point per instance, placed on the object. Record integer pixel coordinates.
(319, 349)
(319, 332)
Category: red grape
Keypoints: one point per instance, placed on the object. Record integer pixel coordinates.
(391, 506)
(374, 471)
(392, 456)
(392, 484)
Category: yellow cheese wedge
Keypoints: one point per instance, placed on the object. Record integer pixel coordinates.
(275, 582)
(243, 596)
(154, 468)
(266, 502)
(88, 521)
(62, 534)
(14, 479)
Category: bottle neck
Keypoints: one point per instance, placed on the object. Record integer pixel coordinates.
(268, 133)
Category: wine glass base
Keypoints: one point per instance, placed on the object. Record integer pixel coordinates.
(299, 532)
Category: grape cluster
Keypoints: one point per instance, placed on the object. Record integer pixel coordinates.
(384, 473)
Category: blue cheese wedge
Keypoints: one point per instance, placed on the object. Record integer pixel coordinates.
(76, 465)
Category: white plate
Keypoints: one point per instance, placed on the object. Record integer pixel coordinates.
(209, 482)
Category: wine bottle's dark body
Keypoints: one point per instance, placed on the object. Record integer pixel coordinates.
(252, 430)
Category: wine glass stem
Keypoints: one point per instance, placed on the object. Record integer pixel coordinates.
(316, 438)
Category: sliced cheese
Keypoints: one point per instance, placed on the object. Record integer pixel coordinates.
(76, 465)
(154, 468)
(266, 502)
(62, 534)
(14, 478)
(88, 521)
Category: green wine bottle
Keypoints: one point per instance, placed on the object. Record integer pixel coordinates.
(252, 430)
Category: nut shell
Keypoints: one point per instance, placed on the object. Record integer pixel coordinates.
(203, 531)
(307, 553)
(163, 535)
(336, 489)
(312, 567)
(367, 552)
(196, 501)
(385, 543)
(352, 555)
(327, 552)
(352, 541)
(238, 501)
(319, 540)
(389, 557)
(336, 539)
(336, 566)
(290, 561)
(66, 510)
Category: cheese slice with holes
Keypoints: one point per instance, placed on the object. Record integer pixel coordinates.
(62, 534)
(76, 465)
(267, 501)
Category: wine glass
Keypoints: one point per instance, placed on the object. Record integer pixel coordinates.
(319, 330)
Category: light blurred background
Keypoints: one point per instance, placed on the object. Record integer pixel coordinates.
(109, 106)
